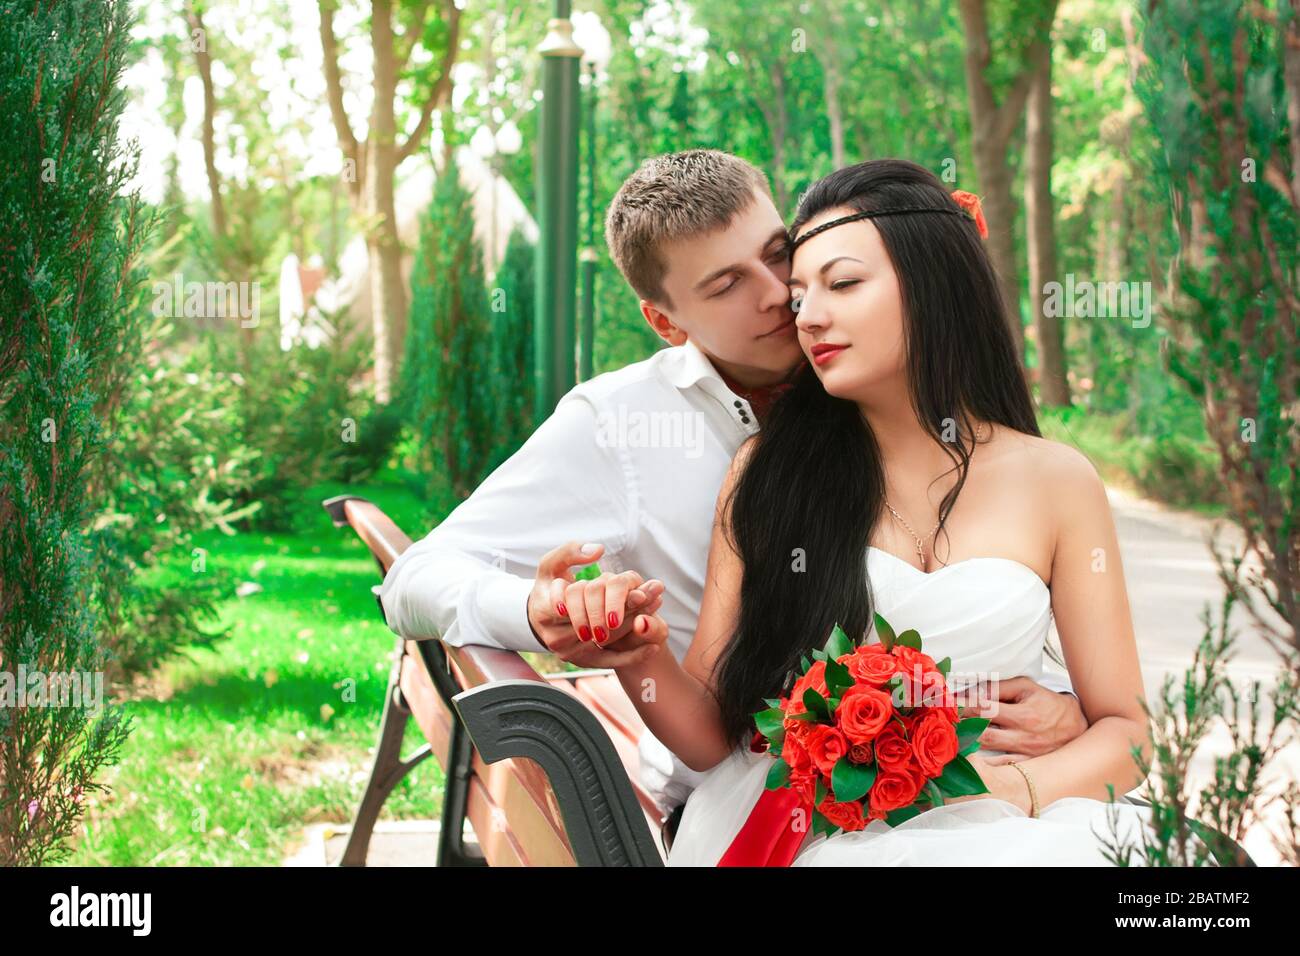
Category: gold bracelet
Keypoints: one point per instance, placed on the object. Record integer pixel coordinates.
(1033, 794)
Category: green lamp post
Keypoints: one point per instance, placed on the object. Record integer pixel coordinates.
(557, 199)
(591, 35)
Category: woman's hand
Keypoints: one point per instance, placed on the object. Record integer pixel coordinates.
(600, 610)
(1003, 780)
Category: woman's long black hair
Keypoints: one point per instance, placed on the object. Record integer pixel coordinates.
(802, 512)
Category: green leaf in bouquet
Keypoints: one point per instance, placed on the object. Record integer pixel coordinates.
(838, 678)
(945, 666)
(910, 638)
(806, 715)
(589, 573)
(960, 779)
(819, 655)
(772, 701)
(969, 730)
(935, 794)
(901, 815)
(822, 825)
(850, 780)
(804, 664)
(770, 723)
(816, 704)
(819, 791)
(838, 644)
(885, 633)
(778, 775)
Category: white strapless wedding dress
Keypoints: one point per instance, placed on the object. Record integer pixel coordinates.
(992, 617)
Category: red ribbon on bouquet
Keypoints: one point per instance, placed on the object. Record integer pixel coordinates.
(768, 837)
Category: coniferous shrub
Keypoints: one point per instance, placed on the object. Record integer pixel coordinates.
(71, 305)
(448, 391)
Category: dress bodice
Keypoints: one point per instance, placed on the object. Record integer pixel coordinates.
(990, 615)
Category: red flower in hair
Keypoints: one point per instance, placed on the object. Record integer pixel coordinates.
(971, 203)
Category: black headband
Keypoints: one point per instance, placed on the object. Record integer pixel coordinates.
(869, 215)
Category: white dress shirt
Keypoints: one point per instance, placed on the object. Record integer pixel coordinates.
(631, 459)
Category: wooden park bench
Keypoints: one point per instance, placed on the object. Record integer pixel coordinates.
(544, 767)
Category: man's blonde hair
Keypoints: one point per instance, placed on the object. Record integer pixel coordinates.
(672, 197)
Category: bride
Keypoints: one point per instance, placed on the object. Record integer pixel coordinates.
(904, 474)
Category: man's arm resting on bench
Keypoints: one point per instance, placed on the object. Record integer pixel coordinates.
(469, 579)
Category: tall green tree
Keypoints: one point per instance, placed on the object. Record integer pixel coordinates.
(1215, 89)
(1001, 51)
(448, 389)
(70, 316)
(370, 163)
(512, 300)
(1040, 232)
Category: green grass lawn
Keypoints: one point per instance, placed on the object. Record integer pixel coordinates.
(236, 749)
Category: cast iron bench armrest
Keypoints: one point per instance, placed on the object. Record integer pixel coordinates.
(511, 711)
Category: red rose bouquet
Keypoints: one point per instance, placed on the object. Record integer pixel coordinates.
(870, 732)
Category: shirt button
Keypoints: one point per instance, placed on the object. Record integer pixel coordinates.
(745, 419)
(737, 403)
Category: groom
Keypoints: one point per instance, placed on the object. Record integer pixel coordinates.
(630, 463)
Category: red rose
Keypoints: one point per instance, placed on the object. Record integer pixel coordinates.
(805, 784)
(815, 679)
(970, 203)
(894, 789)
(799, 730)
(795, 754)
(847, 815)
(910, 659)
(893, 750)
(826, 746)
(870, 664)
(863, 713)
(938, 697)
(934, 741)
(860, 753)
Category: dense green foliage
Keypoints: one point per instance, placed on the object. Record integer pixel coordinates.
(71, 310)
(449, 393)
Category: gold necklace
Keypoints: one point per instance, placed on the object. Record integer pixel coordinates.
(920, 542)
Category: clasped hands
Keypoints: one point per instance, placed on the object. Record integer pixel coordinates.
(607, 621)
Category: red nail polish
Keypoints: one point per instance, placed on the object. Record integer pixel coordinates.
(564, 611)
(613, 620)
(584, 633)
(600, 634)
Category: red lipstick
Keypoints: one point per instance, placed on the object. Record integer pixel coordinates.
(823, 352)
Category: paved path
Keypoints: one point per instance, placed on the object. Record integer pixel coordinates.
(1171, 576)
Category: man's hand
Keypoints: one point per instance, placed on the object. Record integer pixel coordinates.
(1028, 720)
(557, 626)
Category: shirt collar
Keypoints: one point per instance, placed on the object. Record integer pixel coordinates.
(691, 366)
